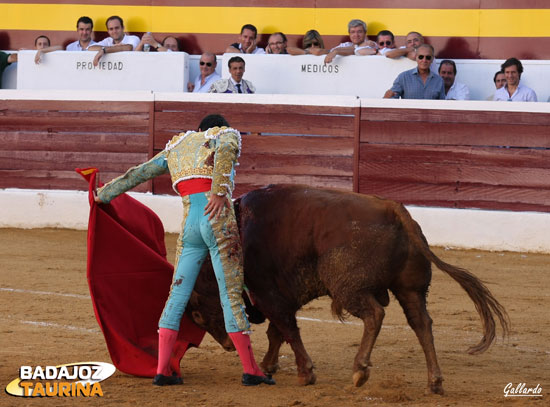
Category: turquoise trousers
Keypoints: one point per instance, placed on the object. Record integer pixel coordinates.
(198, 238)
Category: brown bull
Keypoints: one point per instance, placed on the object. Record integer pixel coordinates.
(301, 243)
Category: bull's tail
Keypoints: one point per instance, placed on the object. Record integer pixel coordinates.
(486, 304)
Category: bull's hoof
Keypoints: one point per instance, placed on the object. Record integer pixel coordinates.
(436, 387)
(271, 369)
(360, 377)
(307, 379)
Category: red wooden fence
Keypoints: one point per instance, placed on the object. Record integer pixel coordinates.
(462, 159)
(446, 158)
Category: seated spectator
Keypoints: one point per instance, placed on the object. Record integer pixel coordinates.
(419, 82)
(247, 42)
(170, 43)
(208, 75)
(500, 80)
(357, 30)
(385, 40)
(236, 83)
(117, 40)
(42, 44)
(84, 29)
(5, 60)
(454, 90)
(313, 44)
(413, 41)
(147, 40)
(513, 90)
(277, 44)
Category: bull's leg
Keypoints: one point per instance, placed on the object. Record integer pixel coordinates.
(372, 314)
(290, 332)
(414, 305)
(270, 363)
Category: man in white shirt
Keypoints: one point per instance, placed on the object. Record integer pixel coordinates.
(208, 75)
(412, 42)
(514, 91)
(84, 29)
(247, 42)
(453, 90)
(236, 83)
(117, 40)
(357, 30)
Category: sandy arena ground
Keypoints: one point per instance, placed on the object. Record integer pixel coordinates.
(41, 325)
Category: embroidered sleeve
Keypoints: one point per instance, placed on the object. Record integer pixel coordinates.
(228, 149)
(133, 177)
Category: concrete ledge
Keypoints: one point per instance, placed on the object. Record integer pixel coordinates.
(459, 228)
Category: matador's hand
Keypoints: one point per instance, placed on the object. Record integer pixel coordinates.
(215, 206)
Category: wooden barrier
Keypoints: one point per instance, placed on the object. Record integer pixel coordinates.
(456, 158)
(486, 155)
(282, 142)
(43, 141)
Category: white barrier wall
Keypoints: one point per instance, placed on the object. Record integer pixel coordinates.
(153, 71)
(460, 228)
(371, 76)
(366, 76)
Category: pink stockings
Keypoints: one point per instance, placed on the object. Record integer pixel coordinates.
(244, 348)
(167, 339)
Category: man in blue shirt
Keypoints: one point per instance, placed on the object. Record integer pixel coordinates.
(419, 82)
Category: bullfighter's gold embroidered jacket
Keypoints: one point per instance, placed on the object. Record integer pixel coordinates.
(211, 154)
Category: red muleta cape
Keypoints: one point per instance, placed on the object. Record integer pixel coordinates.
(129, 279)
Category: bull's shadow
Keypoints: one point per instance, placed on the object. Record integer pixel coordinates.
(301, 243)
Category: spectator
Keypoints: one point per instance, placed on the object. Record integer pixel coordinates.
(419, 82)
(513, 91)
(313, 44)
(208, 75)
(357, 30)
(172, 44)
(454, 90)
(413, 41)
(84, 29)
(236, 83)
(247, 42)
(5, 60)
(385, 41)
(117, 40)
(277, 44)
(43, 46)
(499, 79)
(41, 42)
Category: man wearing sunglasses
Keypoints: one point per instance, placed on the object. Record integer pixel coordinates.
(419, 82)
(208, 75)
(385, 41)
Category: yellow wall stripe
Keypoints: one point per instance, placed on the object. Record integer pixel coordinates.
(333, 21)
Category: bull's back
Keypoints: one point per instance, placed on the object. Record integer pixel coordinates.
(322, 235)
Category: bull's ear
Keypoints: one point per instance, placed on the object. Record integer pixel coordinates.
(198, 318)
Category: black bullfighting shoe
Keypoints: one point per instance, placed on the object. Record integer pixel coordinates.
(161, 380)
(252, 380)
